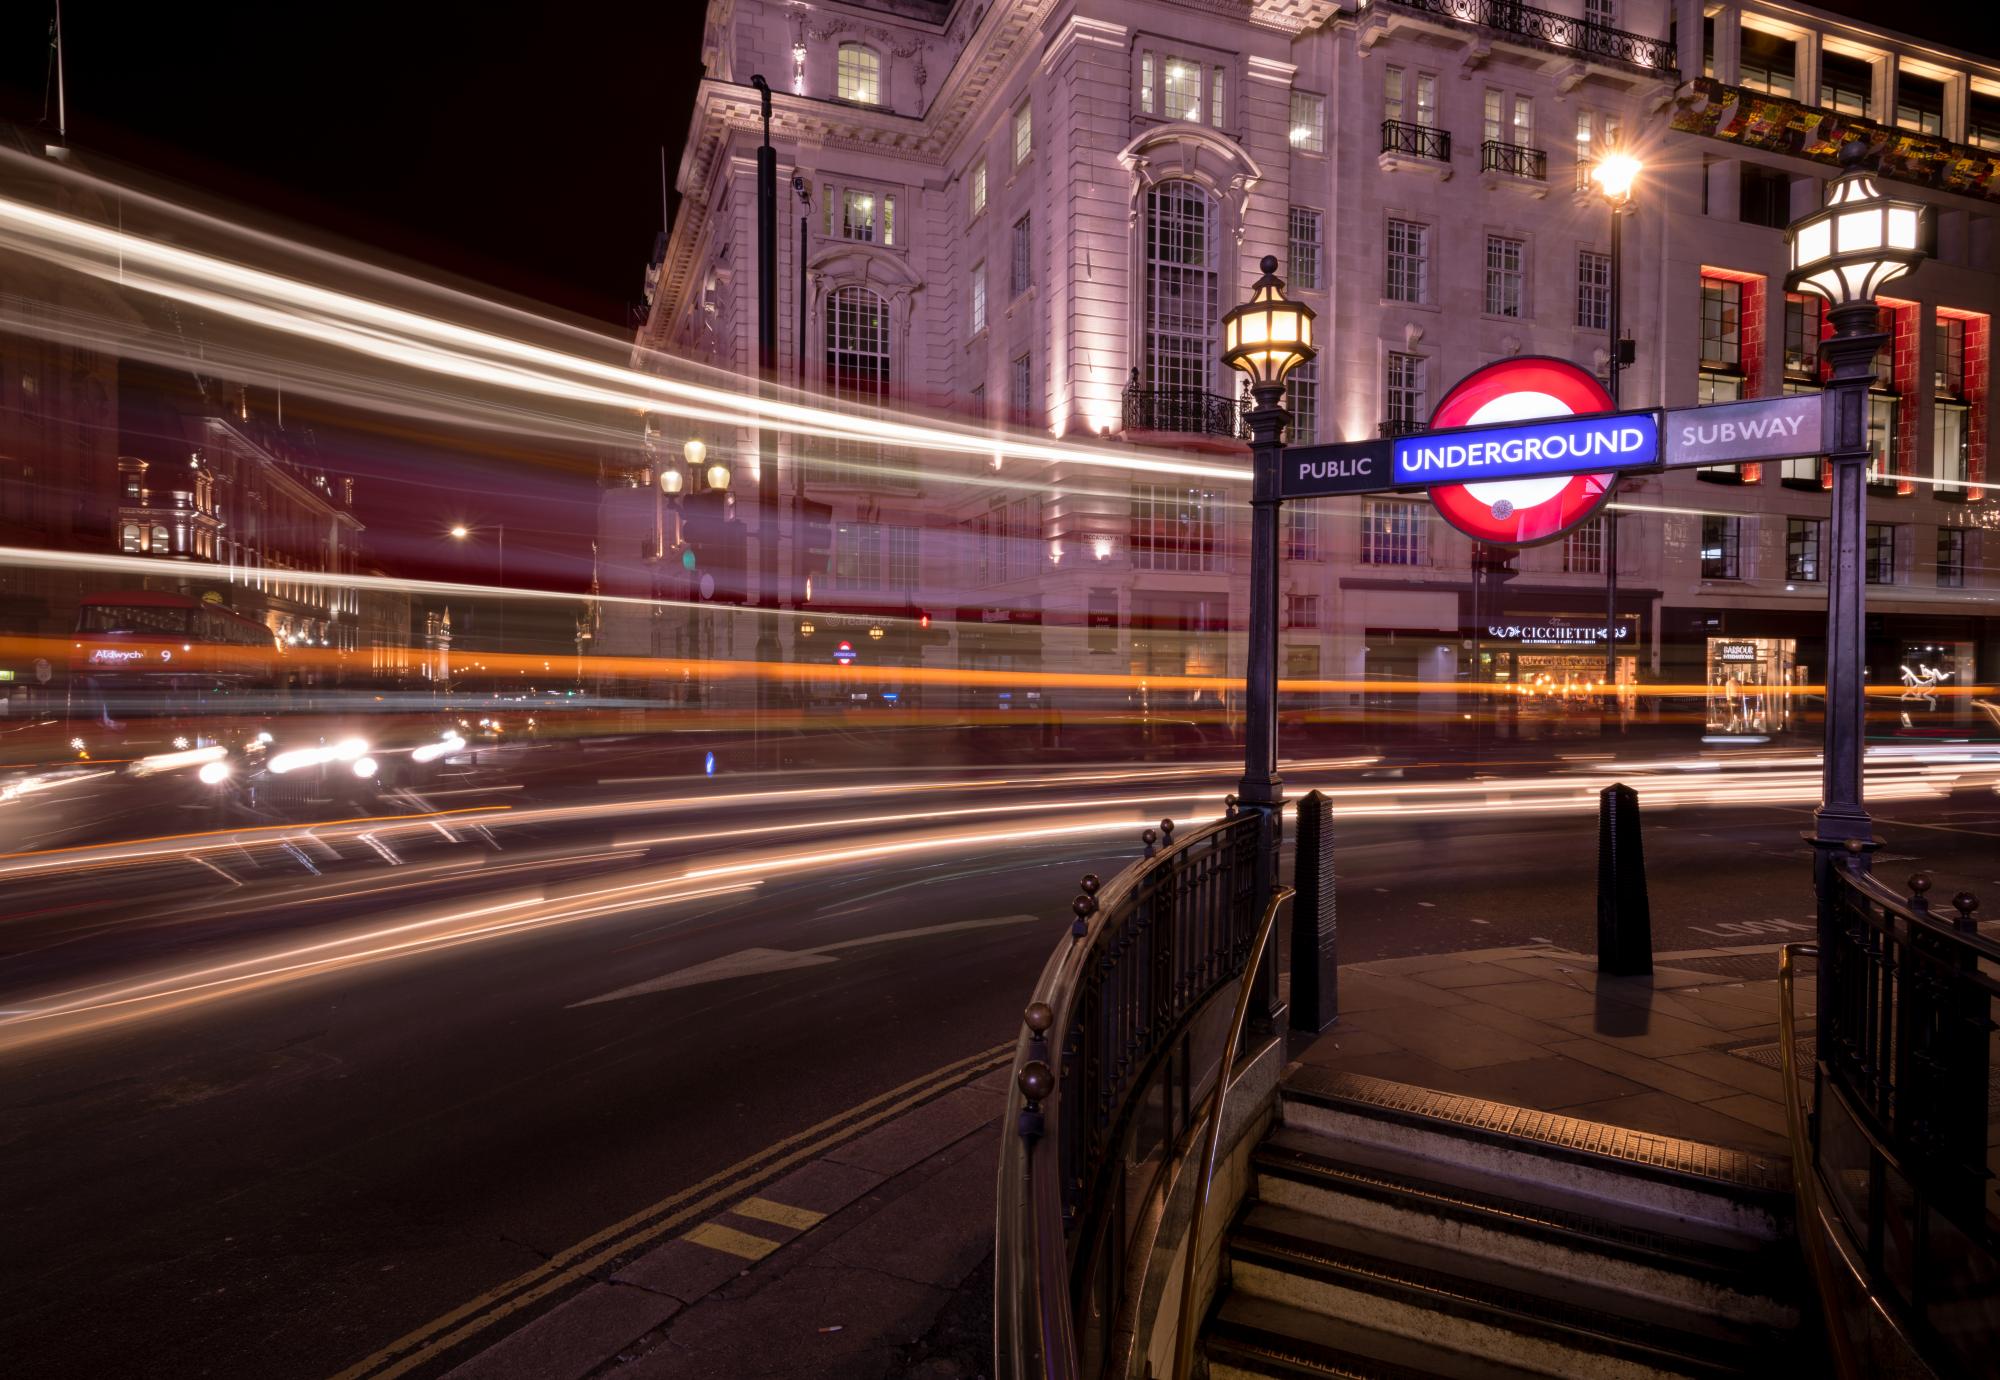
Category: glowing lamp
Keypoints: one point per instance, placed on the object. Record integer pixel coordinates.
(460, 532)
(718, 477)
(1270, 335)
(695, 452)
(1614, 175)
(1860, 241)
(672, 481)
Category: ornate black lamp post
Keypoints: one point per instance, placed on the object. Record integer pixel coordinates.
(1844, 253)
(1267, 337)
(1613, 176)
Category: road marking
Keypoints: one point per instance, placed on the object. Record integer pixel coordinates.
(755, 962)
(782, 1214)
(717, 1237)
(575, 1262)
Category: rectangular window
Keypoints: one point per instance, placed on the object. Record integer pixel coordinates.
(1951, 447)
(1802, 472)
(1308, 133)
(978, 297)
(1302, 400)
(1593, 291)
(1802, 548)
(1024, 133)
(1601, 12)
(977, 402)
(1948, 345)
(1175, 528)
(1021, 264)
(1146, 82)
(1427, 99)
(1409, 272)
(1393, 533)
(1217, 93)
(1721, 324)
(1881, 555)
(978, 194)
(1524, 122)
(1951, 558)
(1769, 63)
(900, 551)
(1721, 548)
(857, 556)
(857, 216)
(1403, 391)
(1506, 276)
(1804, 314)
(1302, 610)
(1181, 93)
(1764, 196)
(1583, 549)
(1302, 530)
(1844, 83)
(1392, 94)
(1982, 119)
(1021, 390)
(858, 74)
(1495, 107)
(1884, 457)
(1305, 247)
(1919, 103)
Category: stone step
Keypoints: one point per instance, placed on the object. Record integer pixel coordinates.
(1542, 1230)
(1607, 1171)
(1251, 1337)
(1480, 1307)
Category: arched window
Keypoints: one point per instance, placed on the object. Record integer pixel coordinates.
(857, 356)
(162, 540)
(130, 538)
(1180, 251)
(858, 75)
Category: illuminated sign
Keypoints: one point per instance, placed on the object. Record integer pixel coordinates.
(1519, 452)
(844, 654)
(1356, 467)
(1761, 429)
(1736, 651)
(115, 656)
(1556, 633)
(1510, 503)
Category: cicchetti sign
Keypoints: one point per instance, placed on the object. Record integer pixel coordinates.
(1517, 506)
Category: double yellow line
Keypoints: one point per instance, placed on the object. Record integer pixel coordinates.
(564, 1268)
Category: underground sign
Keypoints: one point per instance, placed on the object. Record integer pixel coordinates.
(1524, 511)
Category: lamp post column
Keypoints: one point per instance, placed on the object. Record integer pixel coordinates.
(1851, 353)
(1261, 787)
(1610, 514)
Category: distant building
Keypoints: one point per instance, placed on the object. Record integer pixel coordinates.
(1033, 215)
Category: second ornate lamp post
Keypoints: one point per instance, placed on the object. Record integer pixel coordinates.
(1845, 253)
(1614, 175)
(1267, 337)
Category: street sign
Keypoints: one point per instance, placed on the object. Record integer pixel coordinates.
(844, 654)
(1726, 433)
(1535, 507)
(1619, 440)
(1345, 467)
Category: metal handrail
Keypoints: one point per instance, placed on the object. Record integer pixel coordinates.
(1246, 989)
(1805, 1179)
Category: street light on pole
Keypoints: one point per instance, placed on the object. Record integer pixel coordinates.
(1861, 240)
(1267, 337)
(460, 532)
(1613, 176)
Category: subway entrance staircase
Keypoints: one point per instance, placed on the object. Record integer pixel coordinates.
(1392, 1231)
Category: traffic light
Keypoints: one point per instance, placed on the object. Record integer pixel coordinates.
(715, 555)
(815, 539)
(930, 633)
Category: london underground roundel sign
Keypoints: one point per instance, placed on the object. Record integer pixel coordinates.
(1521, 512)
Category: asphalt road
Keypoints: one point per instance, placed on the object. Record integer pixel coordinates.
(276, 1169)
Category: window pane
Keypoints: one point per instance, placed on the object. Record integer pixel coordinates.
(1308, 123)
(1593, 291)
(1305, 248)
(1180, 286)
(1393, 533)
(859, 74)
(1182, 90)
(1409, 262)
(1504, 276)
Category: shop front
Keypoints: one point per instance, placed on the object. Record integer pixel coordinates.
(1752, 690)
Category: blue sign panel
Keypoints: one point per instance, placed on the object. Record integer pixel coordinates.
(1565, 445)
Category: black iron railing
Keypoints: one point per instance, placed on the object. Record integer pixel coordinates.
(1416, 141)
(1515, 160)
(1906, 1007)
(1107, 1081)
(1187, 410)
(1394, 429)
(1556, 30)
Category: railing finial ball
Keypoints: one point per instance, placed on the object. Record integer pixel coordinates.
(1036, 1080)
(1920, 882)
(1167, 829)
(1090, 883)
(1966, 903)
(1039, 1016)
(1854, 845)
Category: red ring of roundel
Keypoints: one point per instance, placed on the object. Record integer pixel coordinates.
(1578, 500)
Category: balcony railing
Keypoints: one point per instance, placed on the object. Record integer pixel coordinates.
(1557, 31)
(1399, 428)
(1416, 141)
(1187, 410)
(1515, 160)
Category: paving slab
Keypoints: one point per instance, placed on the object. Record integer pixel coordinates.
(1431, 1033)
(1539, 1000)
(1742, 1074)
(572, 1340)
(823, 1186)
(911, 1139)
(1654, 1073)
(1662, 1035)
(682, 1269)
(1550, 1081)
(1370, 991)
(1758, 1111)
(1471, 975)
(938, 1232)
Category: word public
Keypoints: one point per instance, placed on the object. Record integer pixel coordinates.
(1619, 442)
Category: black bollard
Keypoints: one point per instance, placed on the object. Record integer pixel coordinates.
(1315, 961)
(1624, 919)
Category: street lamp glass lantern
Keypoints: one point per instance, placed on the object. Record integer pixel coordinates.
(695, 452)
(672, 480)
(1861, 241)
(1270, 335)
(718, 477)
(1614, 175)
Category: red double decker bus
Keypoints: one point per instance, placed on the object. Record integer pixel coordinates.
(144, 664)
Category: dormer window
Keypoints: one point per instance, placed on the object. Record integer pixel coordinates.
(858, 76)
